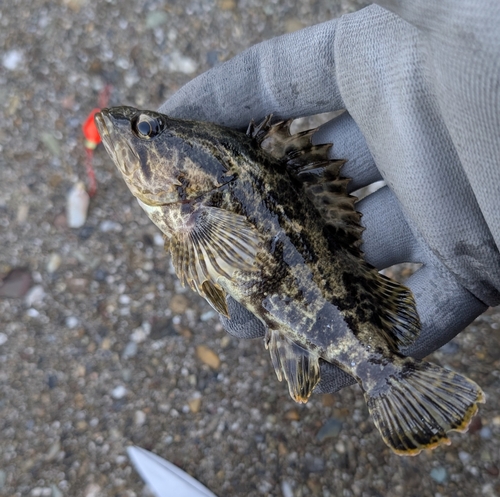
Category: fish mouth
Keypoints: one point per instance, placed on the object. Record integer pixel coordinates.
(106, 128)
(103, 123)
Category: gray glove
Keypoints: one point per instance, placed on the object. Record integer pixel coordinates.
(421, 86)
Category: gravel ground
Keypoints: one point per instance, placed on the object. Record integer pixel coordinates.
(100, 347)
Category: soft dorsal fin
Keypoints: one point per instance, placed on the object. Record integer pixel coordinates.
(218, 244)
(396, 312)
(319, 176)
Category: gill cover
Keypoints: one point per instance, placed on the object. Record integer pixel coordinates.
(163, 160)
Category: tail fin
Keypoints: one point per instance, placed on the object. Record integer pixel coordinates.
(421, 405)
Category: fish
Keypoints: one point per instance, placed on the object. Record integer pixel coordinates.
(265, 218)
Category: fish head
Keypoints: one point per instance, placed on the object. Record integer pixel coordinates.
(163, 160)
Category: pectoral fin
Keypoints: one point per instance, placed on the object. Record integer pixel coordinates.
(218, 244)
(216, 297)
(298, 366)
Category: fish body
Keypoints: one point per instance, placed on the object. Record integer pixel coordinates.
(265, 218)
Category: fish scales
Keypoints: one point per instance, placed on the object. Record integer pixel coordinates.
(265, 218)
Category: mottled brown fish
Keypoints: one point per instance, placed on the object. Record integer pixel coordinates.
(265, 218)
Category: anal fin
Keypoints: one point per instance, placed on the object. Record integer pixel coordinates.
(416, 409)
(299, 367)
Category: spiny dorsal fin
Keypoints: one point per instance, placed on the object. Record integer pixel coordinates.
(276, 139)
(310, 166)
(218, 244)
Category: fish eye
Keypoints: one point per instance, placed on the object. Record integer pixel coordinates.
(147, 127)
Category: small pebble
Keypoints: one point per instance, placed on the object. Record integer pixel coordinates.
(119, 392)
(22, 213)
(292, 25)
(158, 240)
(178, 304)
(314, 464)
(439, 475)
(16, 283)
(488, 490)
(41, 492)
(3, 338)
(226, 4)
(124, 299)
(126, 374)
(162, 328)
(486, 433)
(264, 487)
(55, 491)
(139, 418)
(77, 285)
(286, 489)
(330, 429)
(72, 322)
(12, 59)
(194, 404)
(212, 58)
(81, 426)
(100, 275)
(340, 447)
(93, 490)
(53, 451)
(156, 18)
(208, 356)
(225, 341)
(138, 335)
(464, 457)
(292, 415)
(130, 350)
(450, 348)
(206, 316)
(314, 486)
(53, 263)
(107, 226)
(52, 381)
(180, 63)
(35, 295)
(77, 204)
(85, 232)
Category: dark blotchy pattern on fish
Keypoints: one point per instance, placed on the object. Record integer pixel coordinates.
(265, 218)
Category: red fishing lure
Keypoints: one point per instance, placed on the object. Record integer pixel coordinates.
(92, 138)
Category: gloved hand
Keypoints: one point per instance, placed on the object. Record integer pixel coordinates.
(420, 85)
